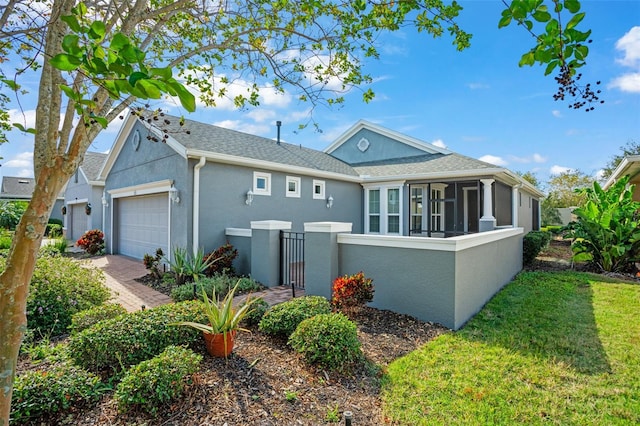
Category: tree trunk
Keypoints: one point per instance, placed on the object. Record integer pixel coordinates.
(14, 280)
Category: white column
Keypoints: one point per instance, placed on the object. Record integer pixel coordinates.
(514, 203)
(487, 221)
(488, 202)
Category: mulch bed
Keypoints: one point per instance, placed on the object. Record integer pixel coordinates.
(252, 385)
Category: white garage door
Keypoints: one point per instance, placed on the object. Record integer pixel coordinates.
(78, 219)
(142, 224)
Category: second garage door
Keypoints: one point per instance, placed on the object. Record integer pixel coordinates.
(143, 225)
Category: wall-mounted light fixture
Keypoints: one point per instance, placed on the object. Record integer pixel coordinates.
(249, 199)
(87, 209)
(174, 195)
(330, 202)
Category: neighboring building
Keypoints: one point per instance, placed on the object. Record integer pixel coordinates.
(21, 189)
(200, 180)
(629, 166)
(83, 197)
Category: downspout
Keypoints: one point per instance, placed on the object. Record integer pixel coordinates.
(515, 203)
(196, 203)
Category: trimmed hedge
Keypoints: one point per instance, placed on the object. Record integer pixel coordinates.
(329, 340)
(39, 393)
(532, 244)
(85, 319)
(157, 381)
(283, 318)
(118, 343)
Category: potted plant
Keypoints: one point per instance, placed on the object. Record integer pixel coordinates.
(224, 322)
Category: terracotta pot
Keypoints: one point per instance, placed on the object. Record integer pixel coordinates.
(215, 343)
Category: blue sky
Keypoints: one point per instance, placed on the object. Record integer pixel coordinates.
(477, 102)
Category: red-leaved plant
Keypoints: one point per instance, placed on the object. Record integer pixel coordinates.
(350, 291)
(91, 241)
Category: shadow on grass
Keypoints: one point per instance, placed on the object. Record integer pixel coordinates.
(548, 315)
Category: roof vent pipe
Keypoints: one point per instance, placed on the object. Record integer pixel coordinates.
(278, 124)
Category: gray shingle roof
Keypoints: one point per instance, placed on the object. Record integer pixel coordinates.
(17, 187)
(421, 165)
(207, 137)
(92, 164)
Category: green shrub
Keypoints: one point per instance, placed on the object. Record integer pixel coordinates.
(118, 343)
(222, 260)
(54, 248)
(258, 309)
(219, 283)
(59, 288)
(532, 244)
(157, 381)
(85, 319)
(329, 340)
(53, 230)
(5, 243)
(92, 241)
(247, 285)
(283, 318)
(39, 393)
(11, 212)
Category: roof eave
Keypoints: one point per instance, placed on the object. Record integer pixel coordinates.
(268, 165)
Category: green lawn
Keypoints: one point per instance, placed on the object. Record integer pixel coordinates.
(552, 348)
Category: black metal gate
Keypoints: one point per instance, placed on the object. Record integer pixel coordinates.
(292, 259)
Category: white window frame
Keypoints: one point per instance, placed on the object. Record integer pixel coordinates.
(296, 192)
(322, 185)
(384, 214)
(267, 178)
(421, 215)
(438, 188)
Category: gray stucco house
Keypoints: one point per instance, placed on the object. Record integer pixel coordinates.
(83, 197)
(21, 189)
(170, 182)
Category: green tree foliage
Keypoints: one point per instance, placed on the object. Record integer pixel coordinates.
(632, 147)
(564, 189)
(530, 177)
(607, 232)
(560, 44)
(10, 213)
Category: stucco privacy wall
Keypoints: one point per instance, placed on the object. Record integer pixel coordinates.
(481, 271)
(152, 162)
(433, 279)
(240, 239)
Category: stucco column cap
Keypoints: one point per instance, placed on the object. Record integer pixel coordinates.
(328, 227)
(270, 225)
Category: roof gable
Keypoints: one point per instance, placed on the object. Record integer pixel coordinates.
(92, 164)
(366, 142)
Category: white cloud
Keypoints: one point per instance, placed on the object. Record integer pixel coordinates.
(254, 129)
(23, 162)
(535, 158)
(492, 159)
(599, 175)
(25, 118)
(477, 86)
(627, 83)
(557, 170)
(260, 114)
(439, 143)
(629, 45)
(556, 113)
